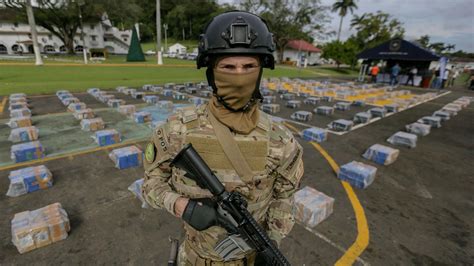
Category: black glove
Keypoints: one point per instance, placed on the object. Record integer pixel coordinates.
(201, 213)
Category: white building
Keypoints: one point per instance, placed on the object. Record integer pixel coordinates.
(300, 50)
(177, 48)
(15, 38)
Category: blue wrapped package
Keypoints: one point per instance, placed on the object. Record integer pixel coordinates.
(324, 110)
(152, 99)
(357, 174)
(27, 151)
(403, 139)
(23, 112)
(303, 116)
(293, 104)
(126, 157)
(312, 207)
(381, 154)
(378, 112)
(362, 117)
(61, 92)
(167, 93)
(342, 106)
(142, 117)
(315, 134)
(19, 105)
(107, 137)
(115, 103)
(23, 134)
(28, 180)
(197, 100)
(76, 107)
(65, 96)
(341, 125)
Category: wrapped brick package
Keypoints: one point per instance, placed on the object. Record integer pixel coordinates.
(17, 95)
(197, 100)
(23, 112)
(23, 134)
(205, 94)
(136, 189)
(92, 91)
(126, 157)
(271, 108)
(312, 100)
(303, 116)
(433, 121)
(167, 93)
(151, 99)
(165, 105)
(61, 92)
(342, 106)
(76, 107)
(327, 98)
(142, 117)
(105, 98)
(27, 151)
(312, 207)
(442, 114)
(30, 179)
(452, 111)
(129, 91)
(65, 96)
(84, 114)
(454, 106)
(362, 117)
(269, 99)
(138, 94)
(127, 109)
(341, 125)
(147, 87)
(107, 137)
(19, 105)
(357, 174)
(93, 124)
(39, 228)
(378, 112)
(115, 103)
(418, 129)
(403, 139)
(18, 100)
(24, 121)
(288, 96)
(68, 101)
(391, 108)
(179, 96)
(157, 89)
(315, 134)
(381, 154)
(324, 110)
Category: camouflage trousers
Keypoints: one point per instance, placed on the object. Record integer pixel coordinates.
(188, 257)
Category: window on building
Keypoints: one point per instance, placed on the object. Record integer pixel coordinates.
(81, 38)
(29, 35)
(78, 49)
(17, 48)
(49, 49)
(50, 37)
(62, 49)
(3, 49)
(93, 37)
(105, 39)
(92, 27)
(15, 24)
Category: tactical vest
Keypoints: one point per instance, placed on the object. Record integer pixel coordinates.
(262, 149)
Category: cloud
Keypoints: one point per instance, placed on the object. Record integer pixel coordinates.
(445, 21)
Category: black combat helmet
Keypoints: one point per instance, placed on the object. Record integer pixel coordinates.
(236, 33)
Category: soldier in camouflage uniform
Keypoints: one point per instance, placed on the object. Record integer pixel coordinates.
(235, 48)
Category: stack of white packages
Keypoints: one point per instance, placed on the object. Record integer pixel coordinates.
(381, 154)
(39, 228)
(442, 114)
(362, 117)
(403, 139)
(432, 121)
(312, 207)
(418, 129)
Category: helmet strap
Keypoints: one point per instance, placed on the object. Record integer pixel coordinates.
(256, 96)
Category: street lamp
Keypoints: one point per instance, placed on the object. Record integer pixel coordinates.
(84, 48)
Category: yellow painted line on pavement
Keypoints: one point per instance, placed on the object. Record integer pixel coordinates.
(2, 105)
(71, 155)
(291, 127)
(362, 240)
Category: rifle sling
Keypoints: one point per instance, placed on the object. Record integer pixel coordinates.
(231, 149)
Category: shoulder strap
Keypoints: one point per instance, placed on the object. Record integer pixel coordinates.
(231, 149)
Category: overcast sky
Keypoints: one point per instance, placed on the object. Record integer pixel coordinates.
(448, 21)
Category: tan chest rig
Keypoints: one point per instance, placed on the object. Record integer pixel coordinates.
(195, 128)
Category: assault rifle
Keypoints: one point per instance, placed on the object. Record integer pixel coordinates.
(244, 232)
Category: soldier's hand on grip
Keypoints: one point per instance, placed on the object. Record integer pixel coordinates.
(201, 213)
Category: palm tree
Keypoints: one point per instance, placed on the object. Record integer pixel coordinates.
(342, 6)
(357, 21)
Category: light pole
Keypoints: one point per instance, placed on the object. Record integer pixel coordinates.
(158, 33)
(165, 26)
(34, 34)
(84, 48)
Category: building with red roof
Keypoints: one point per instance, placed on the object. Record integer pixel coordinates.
(301, 51)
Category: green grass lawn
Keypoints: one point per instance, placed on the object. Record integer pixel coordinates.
(51, 77)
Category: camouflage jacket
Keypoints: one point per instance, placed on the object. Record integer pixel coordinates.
(273, 154)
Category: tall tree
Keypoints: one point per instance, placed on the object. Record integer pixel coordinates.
(289, 20)
(342, 6)
(424, 41)
(374, 29)
(61, 18)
